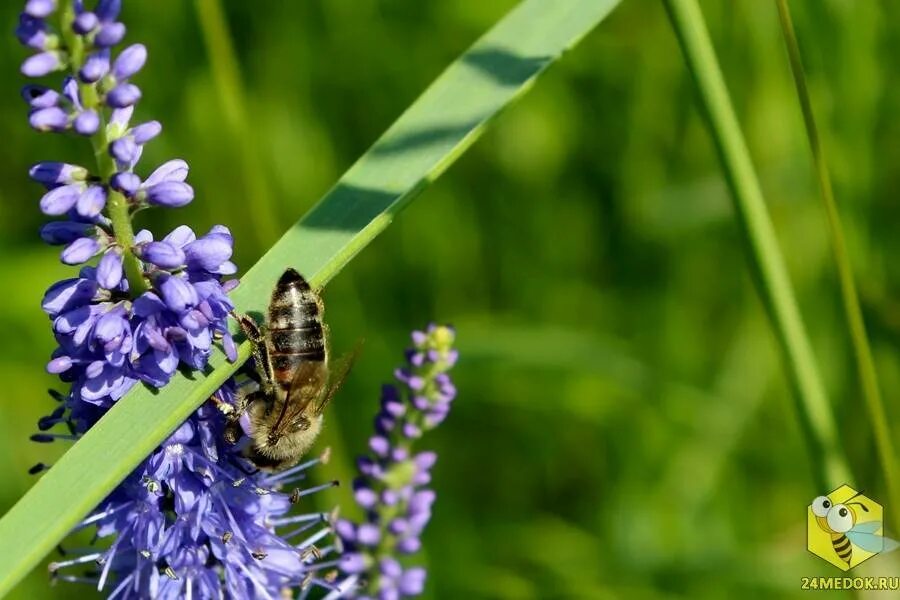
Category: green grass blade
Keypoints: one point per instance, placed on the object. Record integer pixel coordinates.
(865, 365)
(829, 463)
(414, 151)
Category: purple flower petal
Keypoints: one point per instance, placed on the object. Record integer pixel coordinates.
(85, 23)
(41, 64)
(87, 122)
(124, 150)
(368, 534)
(64, 232)
(127, 183)
(108, 10)
(68, 294)
(123, 95)
(40, 9)
(162, 254)
(95, 67)
(91, 201)
(173, 170)
(353, 563)
(60, 364)
(49, 119)
(177, 293)
(39, 96)
(130, 61)
(79, 251)
(209, 252)
(170, 193)
(109, 270)
(109, 34)
(145, 132)
(51, 173)
(59, 201)
(412, 582)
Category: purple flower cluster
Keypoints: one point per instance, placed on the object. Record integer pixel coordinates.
(147, 306)
(392, 486)
(191, 523)
(191, 520)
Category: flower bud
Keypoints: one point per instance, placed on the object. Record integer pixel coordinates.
(87, 122)
(130, 61)
(41, 64)
(109, 270)
(91, 201)
(161, 254)
(79, 251)
(59, 201)
(124, 94)
(170, 193)
(49, 119)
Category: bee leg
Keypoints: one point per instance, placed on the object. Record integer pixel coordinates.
(226, 408)
(260, 352)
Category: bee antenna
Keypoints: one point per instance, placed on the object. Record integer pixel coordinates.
(848, 503)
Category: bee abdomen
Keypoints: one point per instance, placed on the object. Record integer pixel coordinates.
(306, 341)
(842, 547)
(295, 327)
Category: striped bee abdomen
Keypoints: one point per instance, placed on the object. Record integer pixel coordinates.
(842, 547)
(295, 332)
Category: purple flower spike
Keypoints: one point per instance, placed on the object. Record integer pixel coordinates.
(41, 64)
(190, 521)
(123, 95)
(130, 61)
(391, 486)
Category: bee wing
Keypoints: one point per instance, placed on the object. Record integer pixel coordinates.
(867, 541)
(308, 380)
(339, 373)
(867, 527)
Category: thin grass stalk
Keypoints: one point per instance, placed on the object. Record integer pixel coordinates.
(868, 376)
(767, 262)
(230, 91)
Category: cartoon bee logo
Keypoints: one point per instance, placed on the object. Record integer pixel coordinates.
(850, 525)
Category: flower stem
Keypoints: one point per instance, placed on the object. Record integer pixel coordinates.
(862, 350)
(116, 204)
(774, 286)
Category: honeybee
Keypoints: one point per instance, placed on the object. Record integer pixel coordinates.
(283, 416)
(841, 522)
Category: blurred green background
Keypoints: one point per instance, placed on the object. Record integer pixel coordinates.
(624, 427)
